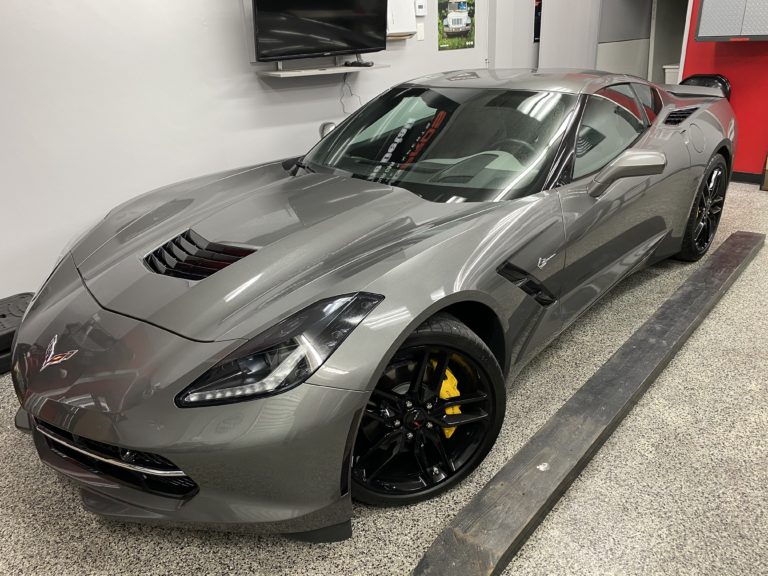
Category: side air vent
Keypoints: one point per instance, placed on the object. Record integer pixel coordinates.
(528, 284)
(679, 116)
(192, 257)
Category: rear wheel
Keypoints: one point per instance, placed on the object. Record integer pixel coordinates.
(432, 418)
(706, 212)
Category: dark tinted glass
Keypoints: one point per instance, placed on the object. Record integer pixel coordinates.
(606, 130)
(451, 144)
(623, 95)
(650, 100)
(295, 28)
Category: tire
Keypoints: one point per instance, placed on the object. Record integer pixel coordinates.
(706, 211)
(432, 418)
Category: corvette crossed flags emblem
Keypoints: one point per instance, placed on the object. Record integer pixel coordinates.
(52, 358)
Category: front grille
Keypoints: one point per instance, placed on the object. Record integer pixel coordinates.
(192, 257)
(143, 470)
(677, 117)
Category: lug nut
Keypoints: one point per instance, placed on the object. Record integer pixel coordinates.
(396, 423)
(409, 436)
(429, 424)
(429, 406)
(408, 404)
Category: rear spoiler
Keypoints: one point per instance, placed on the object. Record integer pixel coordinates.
(689, 91)
(717, 81)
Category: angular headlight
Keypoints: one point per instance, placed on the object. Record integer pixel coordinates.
(282, 357)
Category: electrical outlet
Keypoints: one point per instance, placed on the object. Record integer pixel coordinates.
(420, 31)
(421, 7)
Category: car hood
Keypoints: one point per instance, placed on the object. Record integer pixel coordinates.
(315, 236)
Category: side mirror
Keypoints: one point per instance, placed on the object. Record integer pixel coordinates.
(630, 163)
(326, 128)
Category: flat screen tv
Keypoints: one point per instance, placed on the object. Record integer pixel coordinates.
(287, 29)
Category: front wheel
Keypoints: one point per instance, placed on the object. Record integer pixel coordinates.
(432, 418)
(706, 212)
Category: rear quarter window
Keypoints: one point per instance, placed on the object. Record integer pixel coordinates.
(650, 99)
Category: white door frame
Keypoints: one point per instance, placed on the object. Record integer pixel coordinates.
(683, 48)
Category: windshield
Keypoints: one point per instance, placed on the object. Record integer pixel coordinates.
(451, 144)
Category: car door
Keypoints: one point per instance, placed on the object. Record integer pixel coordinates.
(609, 236)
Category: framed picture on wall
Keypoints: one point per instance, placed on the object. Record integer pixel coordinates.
(456, 25)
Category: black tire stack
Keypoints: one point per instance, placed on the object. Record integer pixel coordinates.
(11, 312)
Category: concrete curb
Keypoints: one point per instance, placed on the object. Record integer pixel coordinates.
(494, 525)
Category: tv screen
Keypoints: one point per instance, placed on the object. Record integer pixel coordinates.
(288, 29)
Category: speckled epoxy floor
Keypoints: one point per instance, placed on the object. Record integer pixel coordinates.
(680, 488)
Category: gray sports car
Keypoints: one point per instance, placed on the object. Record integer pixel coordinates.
(255, 348)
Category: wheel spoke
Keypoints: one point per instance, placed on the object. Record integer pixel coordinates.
(712, 225)
(391, 396)
(430, 474)
(699, 229)
(436, 439)
(464, 400)
(418, 375)
(398, 449)
(431, 388)
(386, 440)
(374, 415)
(705, 232)
(715, 210)
(713, 181)
(453, 420)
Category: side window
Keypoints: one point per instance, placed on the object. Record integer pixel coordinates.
(623, 95)
(607, 129)
(650, 99)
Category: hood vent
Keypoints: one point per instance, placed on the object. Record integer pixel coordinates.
(677, 117)
(192, 257)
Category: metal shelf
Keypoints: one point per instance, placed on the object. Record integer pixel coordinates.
(299, 72)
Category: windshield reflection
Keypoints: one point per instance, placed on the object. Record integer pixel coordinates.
(451, 144)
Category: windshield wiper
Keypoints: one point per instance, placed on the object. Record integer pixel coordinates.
(300, 164)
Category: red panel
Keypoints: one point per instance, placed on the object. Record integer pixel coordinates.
(745, 64)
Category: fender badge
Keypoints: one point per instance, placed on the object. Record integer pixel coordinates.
(543, 261)
(52, 358)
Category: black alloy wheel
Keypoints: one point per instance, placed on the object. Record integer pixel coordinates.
(707, 211)
(434, 415)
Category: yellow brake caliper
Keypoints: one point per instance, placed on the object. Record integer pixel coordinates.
(449, 389)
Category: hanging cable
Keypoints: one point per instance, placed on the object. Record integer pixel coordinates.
(347, 87)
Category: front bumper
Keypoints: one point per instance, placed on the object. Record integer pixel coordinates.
(457, 31)
(278, 464)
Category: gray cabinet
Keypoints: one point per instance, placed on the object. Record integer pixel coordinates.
(724, 19)
(755, 18)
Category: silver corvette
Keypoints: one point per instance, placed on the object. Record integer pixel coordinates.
(254, 349)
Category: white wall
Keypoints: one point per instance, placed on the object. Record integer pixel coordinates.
(511, 35)
(628, 57)
(624, 39)
(668, 30)
(104, 99)
(569, 33)
(622, 20)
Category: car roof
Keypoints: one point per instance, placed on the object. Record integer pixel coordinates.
(557, 80)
